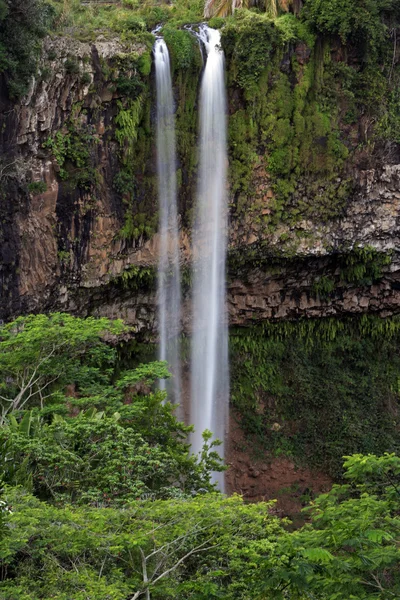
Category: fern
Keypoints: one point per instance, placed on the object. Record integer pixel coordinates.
(127, 121)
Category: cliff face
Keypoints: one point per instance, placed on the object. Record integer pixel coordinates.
(59, 229)
(75, 237)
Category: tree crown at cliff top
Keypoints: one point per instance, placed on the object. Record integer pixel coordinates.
(23, 23)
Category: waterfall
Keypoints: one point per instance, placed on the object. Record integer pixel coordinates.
(169, 291)
(210, 378)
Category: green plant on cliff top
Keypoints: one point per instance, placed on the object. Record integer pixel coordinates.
(248, 41)
(360, 21)
(130, 20)
(23, 24)
(182, 46)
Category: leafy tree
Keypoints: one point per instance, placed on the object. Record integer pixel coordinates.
(107, 441)
(23, 23)
(107, 459)
(39, 351)
(196, 548)
(351, 547)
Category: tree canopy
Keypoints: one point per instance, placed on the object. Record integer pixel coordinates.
(103, 500)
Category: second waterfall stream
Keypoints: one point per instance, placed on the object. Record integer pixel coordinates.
(209, 348)
(209, 356)
(169, 287)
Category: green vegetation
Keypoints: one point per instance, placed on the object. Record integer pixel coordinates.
(364, 24)
(77, 429)
(360, 265)
(129, 18)
(331, 384)
(135, 139)
(284, 127)
(363, 265)
(38, 352)
(72, 149)
(127, 121)
(312, 92)
(137, 278)
(183, 48)
(101, 498)
(23, 24)
(297, 104)
(37, 187)
(350, 548)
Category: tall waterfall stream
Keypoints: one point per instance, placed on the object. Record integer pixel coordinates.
(209, 349)
(169, 287)
(210, 380)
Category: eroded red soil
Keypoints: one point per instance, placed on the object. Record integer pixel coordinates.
(268, 478)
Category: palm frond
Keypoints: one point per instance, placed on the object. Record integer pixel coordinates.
(285, 5)
(218, 8)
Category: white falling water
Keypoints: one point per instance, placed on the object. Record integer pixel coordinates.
(169, 291)
(210, 377)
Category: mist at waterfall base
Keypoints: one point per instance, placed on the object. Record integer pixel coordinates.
(169, 287)
(209, 345)
(209, 356)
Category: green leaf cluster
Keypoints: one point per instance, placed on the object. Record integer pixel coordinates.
(72, 149)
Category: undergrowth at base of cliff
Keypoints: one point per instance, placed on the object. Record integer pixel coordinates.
(318, 390)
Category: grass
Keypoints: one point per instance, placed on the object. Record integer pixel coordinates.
(127, 18)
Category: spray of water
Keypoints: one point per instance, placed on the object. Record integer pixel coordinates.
(169, 291)
(210, 378)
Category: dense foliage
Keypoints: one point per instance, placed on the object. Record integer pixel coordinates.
(23, 23)
(102, 499)
(75, 430)
(318, 390)
(209, 546)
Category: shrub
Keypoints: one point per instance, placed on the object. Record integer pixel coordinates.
(86, 78)
(37, 187)
(71, 65)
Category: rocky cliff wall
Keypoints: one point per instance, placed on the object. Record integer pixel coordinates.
(75, 237)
